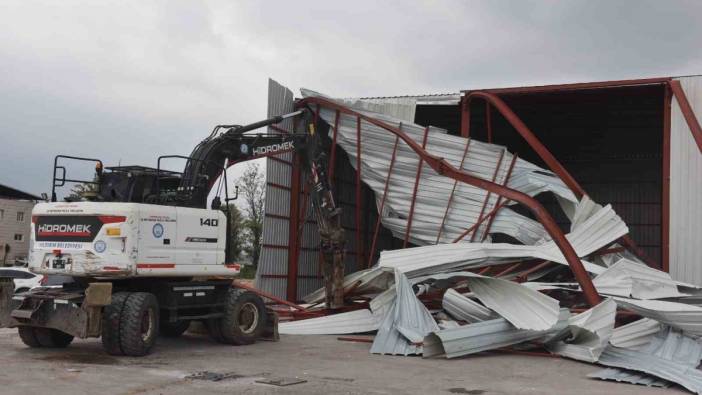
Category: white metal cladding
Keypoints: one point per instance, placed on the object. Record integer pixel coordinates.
(432, 198)
(685, 255)
(276, 228)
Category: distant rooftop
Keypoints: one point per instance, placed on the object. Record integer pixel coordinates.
(12, 193)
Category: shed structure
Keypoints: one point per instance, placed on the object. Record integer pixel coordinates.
(635, 144)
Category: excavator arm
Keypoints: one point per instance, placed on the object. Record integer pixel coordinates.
(234, 146)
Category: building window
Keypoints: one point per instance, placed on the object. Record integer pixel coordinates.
(20, 216)
(2, 214)
(19, 237)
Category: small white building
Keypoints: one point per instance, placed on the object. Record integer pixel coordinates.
(15, 219)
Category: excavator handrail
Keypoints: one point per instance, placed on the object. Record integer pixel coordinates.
(443, 167)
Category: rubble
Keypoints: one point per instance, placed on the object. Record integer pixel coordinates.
(451, 297)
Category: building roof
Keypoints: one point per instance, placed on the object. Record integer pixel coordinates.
(12, 193)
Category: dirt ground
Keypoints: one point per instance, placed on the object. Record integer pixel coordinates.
(326, 364)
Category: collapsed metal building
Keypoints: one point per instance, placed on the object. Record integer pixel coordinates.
(635, 144)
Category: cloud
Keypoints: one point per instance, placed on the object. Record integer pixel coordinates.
(128, 82)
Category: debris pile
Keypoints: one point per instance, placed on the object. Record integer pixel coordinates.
(453, 296)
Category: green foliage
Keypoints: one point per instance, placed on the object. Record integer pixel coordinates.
(236, 230)
(247, 272)
(252, 187)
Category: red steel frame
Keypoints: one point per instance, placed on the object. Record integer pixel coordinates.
(673, 89)
(443, 167)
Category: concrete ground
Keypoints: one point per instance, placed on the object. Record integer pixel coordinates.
(327, 364)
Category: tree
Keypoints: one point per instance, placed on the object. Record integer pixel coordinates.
(236, 232)
(81, 190)
(253, 189)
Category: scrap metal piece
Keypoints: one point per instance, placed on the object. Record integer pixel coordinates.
(636, 334)
(636, 280)
(678, 315)
(673, 358)
(589, 332)
(521, 306)
(483, 336)
(464, 308)
(405, 324)
(357, 321)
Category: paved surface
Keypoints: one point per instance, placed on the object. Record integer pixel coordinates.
(328, 365)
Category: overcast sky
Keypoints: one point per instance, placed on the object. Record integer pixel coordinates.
(128, 82)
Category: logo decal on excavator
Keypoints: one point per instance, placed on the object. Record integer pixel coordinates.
(209, 222)
(288, 145)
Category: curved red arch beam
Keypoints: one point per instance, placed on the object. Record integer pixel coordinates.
(443, 167)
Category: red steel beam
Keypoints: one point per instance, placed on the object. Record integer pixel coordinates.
(443, 167)
(382, 200)
(240, 284)
(665, 193)
(578, 86)
(359, 248)
(485, 218)
(416, 188)
(687, 112)
(453, 191)
(465, 118)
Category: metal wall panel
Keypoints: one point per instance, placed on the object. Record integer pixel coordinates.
(273, 262)
(686, 190)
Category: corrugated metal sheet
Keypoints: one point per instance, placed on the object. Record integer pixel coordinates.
(671, 356)
(679, 315)
(635, 335)
(522, 307)
(588, 333)
(482, 336)
(631, 279)
(464, 308)
(276, 229)
(685, 190)
(405, 324)
(357, 321)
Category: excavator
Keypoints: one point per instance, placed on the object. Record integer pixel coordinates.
(148, 254)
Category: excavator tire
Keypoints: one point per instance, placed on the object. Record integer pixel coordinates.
(26, 333)
(244, 319)
(111, 322)
(138, 324)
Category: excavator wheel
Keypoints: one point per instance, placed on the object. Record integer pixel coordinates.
(244, 319)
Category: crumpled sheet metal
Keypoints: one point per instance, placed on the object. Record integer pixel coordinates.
(405, 324)
(670, 356)
(588, 333)
(635, 335)
(522, 307)
(678, 315)
(639, 281)
(465, 309)
(434, 190)
(357, 321)
(483, 336)
(602, 228)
